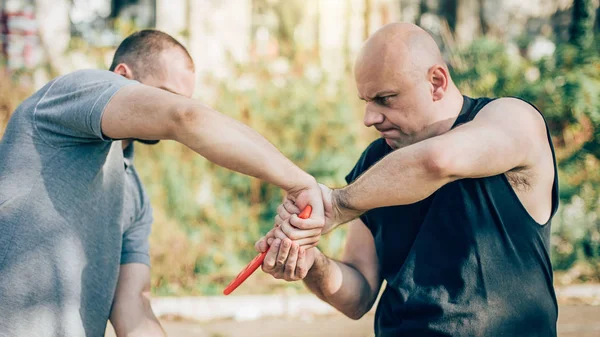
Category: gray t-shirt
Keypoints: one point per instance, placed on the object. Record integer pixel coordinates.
(72, 209)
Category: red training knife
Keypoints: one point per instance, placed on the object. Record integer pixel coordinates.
(257, 261)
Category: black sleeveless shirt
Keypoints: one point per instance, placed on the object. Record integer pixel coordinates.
(467, 261)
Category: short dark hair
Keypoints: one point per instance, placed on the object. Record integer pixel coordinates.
(141, 48)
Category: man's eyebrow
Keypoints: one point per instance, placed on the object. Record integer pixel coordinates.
(380, 94)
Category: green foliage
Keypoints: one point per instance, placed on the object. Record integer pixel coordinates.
(581, 30)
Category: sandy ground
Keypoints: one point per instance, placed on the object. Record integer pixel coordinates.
(574, 321)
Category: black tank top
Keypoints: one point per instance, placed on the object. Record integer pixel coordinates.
(467, 261)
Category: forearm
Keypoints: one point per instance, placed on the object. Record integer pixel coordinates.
(133, 317)
(231, 144)
(340, 285)
(403, 177)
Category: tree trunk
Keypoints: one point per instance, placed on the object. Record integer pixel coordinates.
(423, 8)
(367, 19)
(582, 27)
(467, 25)
(482, 21)
(54, 29)
(448, 11)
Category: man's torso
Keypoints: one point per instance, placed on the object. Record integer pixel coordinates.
(62, 218)
(467, 261)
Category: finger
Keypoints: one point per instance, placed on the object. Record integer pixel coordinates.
(278, 220)
(290, 207)
(308, 242)
(269, 262)
(309, 223)
(315, 199)
(268, 240)
(295, 233)
(282, 256)
(270, 233)
(301, 269)
(279, 234)
(283, 214)
(261, 245)
(290, 265)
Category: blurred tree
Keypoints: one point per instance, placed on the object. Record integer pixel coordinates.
(367, 19)
(581, 31)
(281, 18)
(468, 26)
(448, 10)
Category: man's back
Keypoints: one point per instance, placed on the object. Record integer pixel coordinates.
(61, 203)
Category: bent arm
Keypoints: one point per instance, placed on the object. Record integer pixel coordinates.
(144, 112)
(352, 284)
(131, 313)
(507, 134)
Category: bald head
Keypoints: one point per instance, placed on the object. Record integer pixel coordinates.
(400, 48)
(402, 76)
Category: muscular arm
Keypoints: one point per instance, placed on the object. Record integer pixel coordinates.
(144, 112)
(352, 284)
(507, 134)
(131, 314)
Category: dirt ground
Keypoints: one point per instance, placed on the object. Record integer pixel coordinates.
(574, 321)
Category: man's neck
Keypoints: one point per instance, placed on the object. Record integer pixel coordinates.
(450, 110)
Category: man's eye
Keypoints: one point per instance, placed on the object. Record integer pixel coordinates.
(385, 101)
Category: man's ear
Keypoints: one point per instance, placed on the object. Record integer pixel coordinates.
(124, 70)
(439, 78)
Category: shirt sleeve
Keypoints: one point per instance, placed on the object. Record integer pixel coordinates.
(70, 110)
(136, 247)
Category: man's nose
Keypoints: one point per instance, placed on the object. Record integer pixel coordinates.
(372, 115)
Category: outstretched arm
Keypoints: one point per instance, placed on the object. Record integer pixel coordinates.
(144, 112)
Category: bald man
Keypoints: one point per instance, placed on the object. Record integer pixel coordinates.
(451, 206)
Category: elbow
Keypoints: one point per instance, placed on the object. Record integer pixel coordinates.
(361, 309)
(183, 117)
(357, 313)
(438, 163)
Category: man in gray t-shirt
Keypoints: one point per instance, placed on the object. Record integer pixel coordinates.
(74, 217)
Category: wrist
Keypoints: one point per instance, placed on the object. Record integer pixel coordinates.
(299, 181)
(343, 208)
(319, 264)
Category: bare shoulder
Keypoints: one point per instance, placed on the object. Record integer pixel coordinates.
(521, 120)
(513, 112)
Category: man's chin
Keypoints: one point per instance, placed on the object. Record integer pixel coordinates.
(391, 143)
(148, 141)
